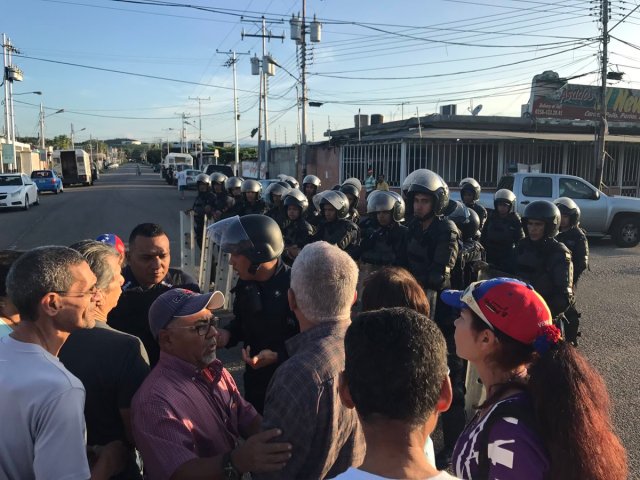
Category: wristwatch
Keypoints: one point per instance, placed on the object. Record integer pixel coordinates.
(229, 469)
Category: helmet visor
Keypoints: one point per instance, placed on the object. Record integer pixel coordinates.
(231, 236)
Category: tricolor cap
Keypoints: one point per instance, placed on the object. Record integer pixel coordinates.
(180, 302)
(114, 240)
(505, 304)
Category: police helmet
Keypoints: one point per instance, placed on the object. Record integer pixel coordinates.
(351, 189)
(353, 181)
(430, 183)
(504, 196)
(292, 182)
(251, 186)
(450, 208)
(470, 185)
(546, 212)
(297, 198)
(386, 201)
(466, 219)
(276, 188)
(570, 208)
(311, 179)
(336, 199)
(336, 188)
(257, 237)
(204, 179)
(233, 182)
(218, 178)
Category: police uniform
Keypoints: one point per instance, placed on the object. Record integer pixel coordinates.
(200, 204)
(342, 233)
(384, 245)
(257, 207)
(279, 214)
(499, 238)
(298, 233)
(576, 241)
(262, 320)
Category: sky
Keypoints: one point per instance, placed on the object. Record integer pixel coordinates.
(125, 68)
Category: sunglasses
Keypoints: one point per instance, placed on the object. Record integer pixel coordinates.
(202, 328)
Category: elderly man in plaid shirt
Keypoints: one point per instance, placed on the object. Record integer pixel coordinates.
(302, 399)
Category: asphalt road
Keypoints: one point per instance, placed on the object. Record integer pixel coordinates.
(608, 296)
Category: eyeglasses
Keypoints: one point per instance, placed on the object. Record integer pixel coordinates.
(202, 329)
(91, 292)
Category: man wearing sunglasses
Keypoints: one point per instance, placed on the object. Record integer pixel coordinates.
(41, 403)
(188, 416)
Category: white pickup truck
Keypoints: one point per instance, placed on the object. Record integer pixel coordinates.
(600, 214)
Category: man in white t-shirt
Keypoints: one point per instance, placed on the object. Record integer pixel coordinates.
(396, 378)
(182, 182)
(41, 403)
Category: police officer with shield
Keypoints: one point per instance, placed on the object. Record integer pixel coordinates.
(262, 318)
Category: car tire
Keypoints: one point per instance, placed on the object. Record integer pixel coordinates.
(626, 231)
(37, 202)
(61, 188)
(57, 190)
(26, 202)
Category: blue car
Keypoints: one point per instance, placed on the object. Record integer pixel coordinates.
(47, 181)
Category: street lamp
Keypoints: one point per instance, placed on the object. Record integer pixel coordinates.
(73, 144)
(27, 93)
(42, 117)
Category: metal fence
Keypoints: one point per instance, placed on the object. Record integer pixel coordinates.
(488, 161)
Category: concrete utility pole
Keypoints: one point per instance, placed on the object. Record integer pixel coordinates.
(601, 149)
(231, 62)
(200, 121)
(268, 69)
(183, 132)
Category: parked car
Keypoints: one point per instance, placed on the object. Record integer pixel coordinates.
(600, 214)
(112, 166)
(17, 190)
(191, 178)
(47, 181)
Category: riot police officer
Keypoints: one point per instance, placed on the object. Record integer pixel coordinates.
(386, 244)
(262, 318)
(251, 197)
(574, 238)
(274, 198)
(310, 186)
(335, 227)
(203, 205)
(542, 261)
(291, 181)
(471, 256)
(432, 251)
(223, 200)
(297, 232)
(351, 187)
(470, 194)
(502, 232)
(233, 186)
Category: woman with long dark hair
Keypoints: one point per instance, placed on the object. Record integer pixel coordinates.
(546, 415)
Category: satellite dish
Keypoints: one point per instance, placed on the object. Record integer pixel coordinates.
(476, 110)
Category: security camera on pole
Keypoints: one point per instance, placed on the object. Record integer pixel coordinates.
(299, 31)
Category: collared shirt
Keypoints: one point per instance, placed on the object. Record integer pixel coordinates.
(303, 401)
(179, 414)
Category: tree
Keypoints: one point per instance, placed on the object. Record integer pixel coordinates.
(61, 142)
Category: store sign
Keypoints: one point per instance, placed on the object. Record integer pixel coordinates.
(582, 102)
(8, 153)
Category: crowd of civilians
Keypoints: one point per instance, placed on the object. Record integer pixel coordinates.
(110, 371)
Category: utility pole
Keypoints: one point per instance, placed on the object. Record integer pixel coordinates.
(10, 74)
(200, 122)
(231, 62)
(42, 146)
(299, 32)
(183, 132)
(268, 69)
(600, 153)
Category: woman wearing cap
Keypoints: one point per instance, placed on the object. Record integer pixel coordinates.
(546, 415)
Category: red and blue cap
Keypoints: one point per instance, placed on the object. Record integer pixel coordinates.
(114, 240)
(505, 304)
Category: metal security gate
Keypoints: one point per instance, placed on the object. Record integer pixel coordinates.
(384, 158)
(548, 155)
(454, 161)
(631, 171)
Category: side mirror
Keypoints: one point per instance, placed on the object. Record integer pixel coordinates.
(596, 194)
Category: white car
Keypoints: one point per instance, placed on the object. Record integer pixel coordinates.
(17, 190)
